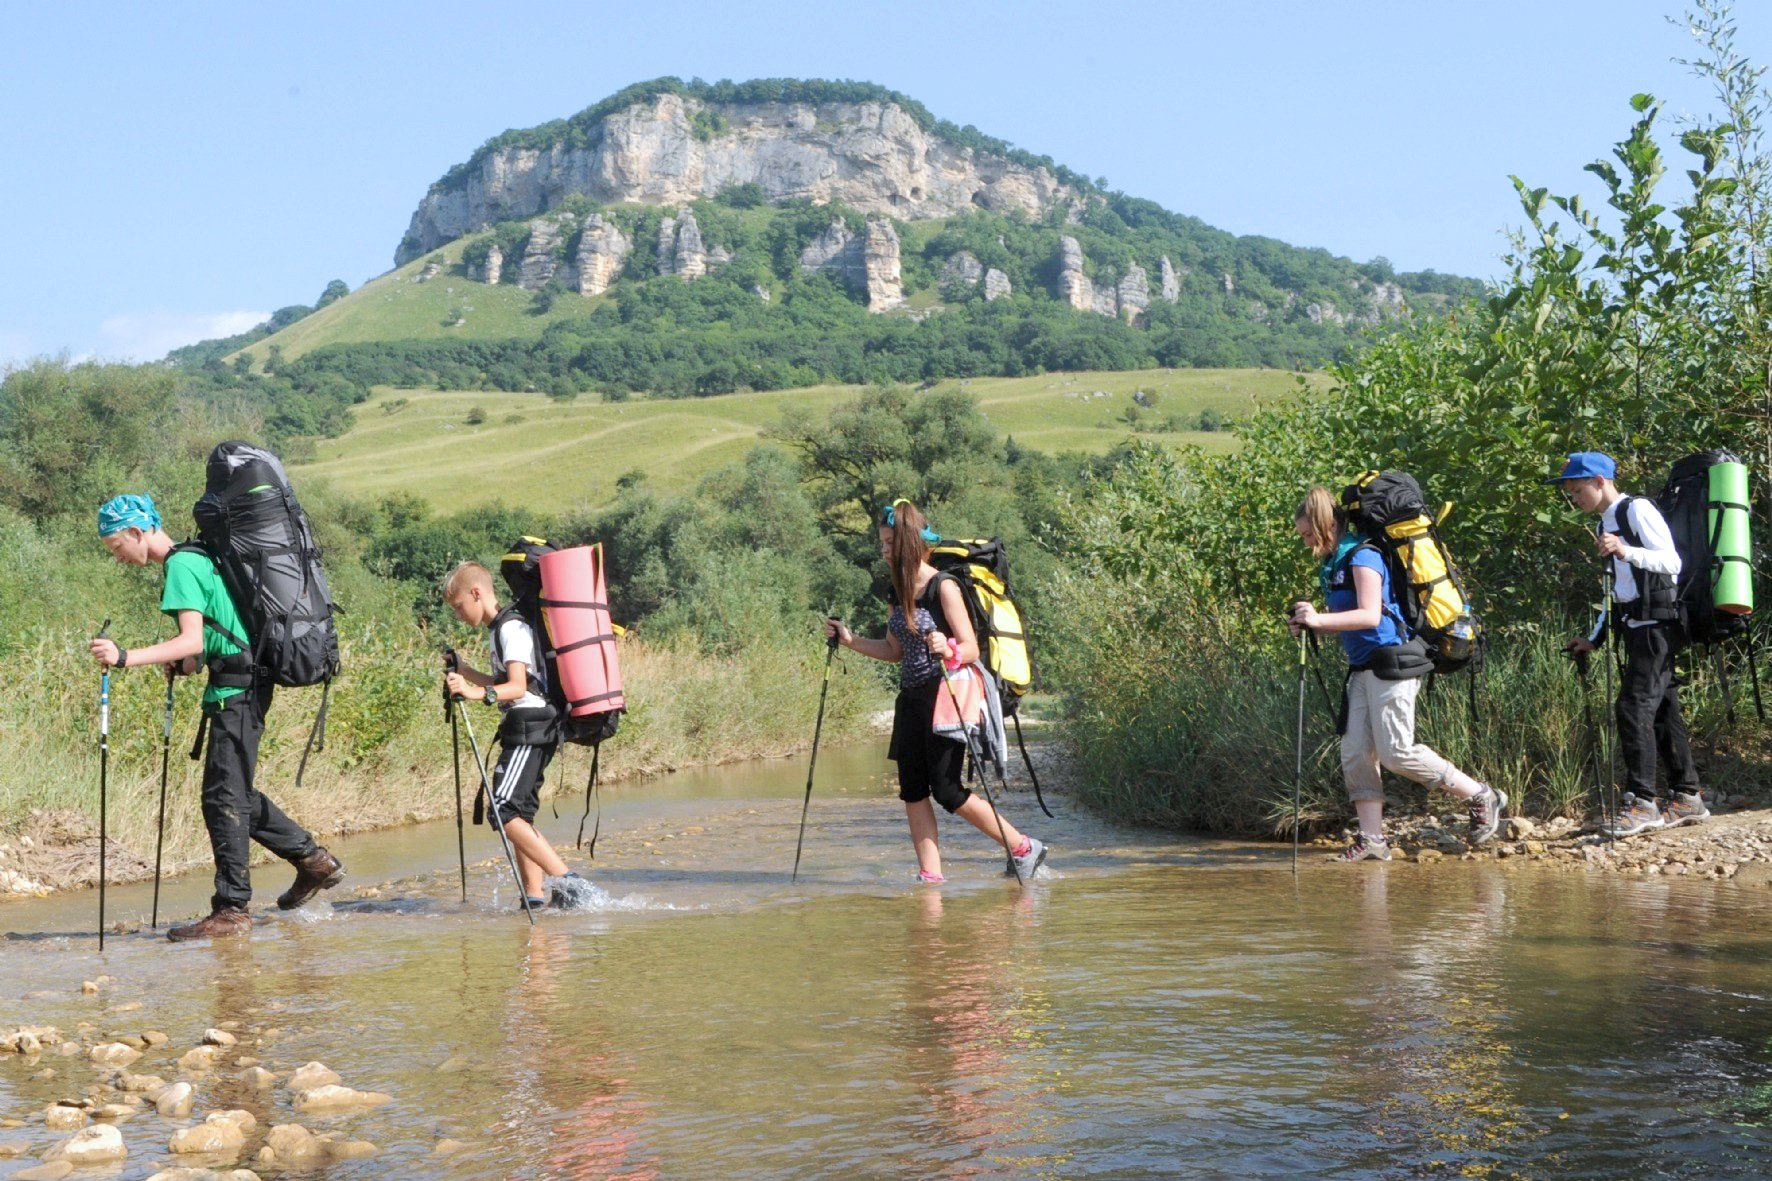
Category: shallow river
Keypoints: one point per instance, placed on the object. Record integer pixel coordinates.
(1154, 1008)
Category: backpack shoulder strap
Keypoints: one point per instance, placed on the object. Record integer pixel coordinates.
(1626, 529)
(197, 547)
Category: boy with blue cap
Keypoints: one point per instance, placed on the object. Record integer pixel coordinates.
(211, 632)
(1634, 536)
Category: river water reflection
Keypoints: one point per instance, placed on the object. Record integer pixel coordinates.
(1156, 1008)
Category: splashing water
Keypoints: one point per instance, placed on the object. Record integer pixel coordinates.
(580, 894)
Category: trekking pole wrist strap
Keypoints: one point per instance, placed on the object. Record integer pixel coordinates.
(122, 656)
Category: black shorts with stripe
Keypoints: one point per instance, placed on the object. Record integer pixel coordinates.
(517, 780)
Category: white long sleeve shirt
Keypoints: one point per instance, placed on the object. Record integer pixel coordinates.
(1656, 554)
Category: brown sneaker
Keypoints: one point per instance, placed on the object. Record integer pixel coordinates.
(317, 871)
(1687, 808)
(228, 920)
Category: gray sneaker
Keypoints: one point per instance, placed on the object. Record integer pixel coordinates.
(1634, 816)
(1486, 809)
(1687, 808)
(1022, 868)
(1367, 848)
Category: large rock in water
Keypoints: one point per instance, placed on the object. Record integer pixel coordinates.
(602, 252)
(872, 156)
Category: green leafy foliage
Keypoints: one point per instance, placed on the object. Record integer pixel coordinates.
(1637, 328)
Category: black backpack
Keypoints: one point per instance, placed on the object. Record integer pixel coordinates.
(1685, 502)
(251, 526)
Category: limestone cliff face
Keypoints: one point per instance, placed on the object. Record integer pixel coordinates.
(868, 262)
(1074, 286)
(872, 156)
(602, 252)
(540, 258)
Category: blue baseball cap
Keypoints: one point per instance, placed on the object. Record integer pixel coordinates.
(1583, 465)
(126, 511)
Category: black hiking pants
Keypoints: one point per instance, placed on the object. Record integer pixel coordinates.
(234, 810)
(1649, 722)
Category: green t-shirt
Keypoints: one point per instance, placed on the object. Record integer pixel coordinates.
(194, 584)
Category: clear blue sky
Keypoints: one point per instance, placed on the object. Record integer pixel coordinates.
(176, 171)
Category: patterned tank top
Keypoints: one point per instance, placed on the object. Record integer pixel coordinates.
(919, 666)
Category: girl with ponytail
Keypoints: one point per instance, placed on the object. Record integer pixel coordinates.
(1385, 667)
(926, 626)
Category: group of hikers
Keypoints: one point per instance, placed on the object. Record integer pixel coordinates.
(947, 701)
(1387, 662)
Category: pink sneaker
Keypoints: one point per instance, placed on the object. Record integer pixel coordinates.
(924, 877)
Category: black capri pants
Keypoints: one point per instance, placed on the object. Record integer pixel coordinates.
(928, 765)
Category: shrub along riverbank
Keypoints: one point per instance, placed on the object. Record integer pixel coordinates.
(1640, 329)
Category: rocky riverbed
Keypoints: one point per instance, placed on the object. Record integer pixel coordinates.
(1731, 846)
(196, 1105)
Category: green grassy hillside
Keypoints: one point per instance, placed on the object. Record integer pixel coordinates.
(551, 455)
(395, 307)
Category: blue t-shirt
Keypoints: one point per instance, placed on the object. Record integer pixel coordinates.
(1341, 596)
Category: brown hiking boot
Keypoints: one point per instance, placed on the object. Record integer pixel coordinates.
(227, 920)
(317, 871)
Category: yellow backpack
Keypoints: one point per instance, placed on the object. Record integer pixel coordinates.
(1389, 510)
(981, 569)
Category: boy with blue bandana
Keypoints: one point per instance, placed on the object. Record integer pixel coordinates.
(211, 633)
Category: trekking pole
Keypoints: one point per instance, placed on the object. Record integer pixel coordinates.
(1611, 723)
(461, 847)
(1029, 764)
(1298, 762)
(497, 820)
(104, 773)
(812, 763)
(984, 782)
(160, 834)
(1587, 715)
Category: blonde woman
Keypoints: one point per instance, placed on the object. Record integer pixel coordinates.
(1385, 667)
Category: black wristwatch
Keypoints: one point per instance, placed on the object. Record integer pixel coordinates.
(491, 695)
(122, 656)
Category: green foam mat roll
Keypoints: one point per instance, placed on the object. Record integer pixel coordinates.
(1733, 589)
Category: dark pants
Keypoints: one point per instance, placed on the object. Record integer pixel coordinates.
(1649, 722)
(235, 812)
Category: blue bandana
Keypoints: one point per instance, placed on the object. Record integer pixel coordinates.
(128, 511)
(889, 518)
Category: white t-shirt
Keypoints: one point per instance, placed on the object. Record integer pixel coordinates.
(513, 642)
(1656, 555)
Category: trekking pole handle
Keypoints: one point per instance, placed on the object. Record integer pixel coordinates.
(830, 641)
(104, 691)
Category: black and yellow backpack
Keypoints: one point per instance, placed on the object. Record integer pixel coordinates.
(1390, 511)
(981, 569)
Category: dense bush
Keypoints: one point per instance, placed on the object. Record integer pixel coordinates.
(1641, 331)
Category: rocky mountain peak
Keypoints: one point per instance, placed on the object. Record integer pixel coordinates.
(670, 148)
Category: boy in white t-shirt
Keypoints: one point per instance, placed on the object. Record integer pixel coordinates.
(527, 733)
